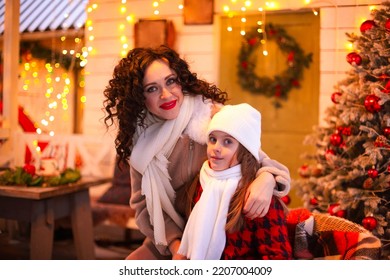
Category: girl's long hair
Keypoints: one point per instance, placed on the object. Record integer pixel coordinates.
(124, 103)
(235, 218)
(249, 167)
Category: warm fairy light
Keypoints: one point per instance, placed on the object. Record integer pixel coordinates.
(233, 1)
(123, 10)
(229, 28)
(260, 9)
(130, 18)
(91, 38)
(63, 38)
(243, 20)
(94, 6)
(307, 1)
(123, 1)
(243, 9)
(259, 30)
(315, 12)
(248, 3)
(123, 38)
(77, 40)
(271, 5)
(83, 99)
(122, 26)
(51, 133)
(181, 7)
(265, 52)
(242, 32)
(156, 12)
(155, 4)
(371, 8)
(349, 46)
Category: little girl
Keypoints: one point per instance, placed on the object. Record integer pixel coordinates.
(216, 227)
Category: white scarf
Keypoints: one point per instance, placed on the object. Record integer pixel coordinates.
(204, 236)
(150, 158)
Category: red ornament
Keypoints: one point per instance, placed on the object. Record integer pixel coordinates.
(372, 173)
(335, 97)
(336, 139)
(354, 59)
(334, 210)
(313, 201)
(329, 154)
(286, 199)
(387, 24)
(367, 25)
(304, 171)
(386, 131)
(369, 223)
(371, 103)
(347, 131)
(244, 64)
(30, 169)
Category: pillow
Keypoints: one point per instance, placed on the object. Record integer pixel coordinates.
(119, 192)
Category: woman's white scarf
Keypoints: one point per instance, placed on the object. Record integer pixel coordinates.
(204, 237)
(150, 158)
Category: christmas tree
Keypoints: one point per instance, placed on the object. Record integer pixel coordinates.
(348, 175)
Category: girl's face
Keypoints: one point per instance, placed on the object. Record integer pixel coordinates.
(222, 150)
(162, 92)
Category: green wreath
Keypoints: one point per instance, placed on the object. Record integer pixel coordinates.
(281, 84)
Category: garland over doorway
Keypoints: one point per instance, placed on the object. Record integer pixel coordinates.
(280, 84)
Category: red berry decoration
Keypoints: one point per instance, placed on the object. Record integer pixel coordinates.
(372, 173)
(252, 41)
(371, 103)
(369, 223)
(335, 97)
(286, 199)
(367, 25)
(30, 169)
(354, 59)
(336, 139)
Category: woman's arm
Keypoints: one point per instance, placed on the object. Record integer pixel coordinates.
(273, 178)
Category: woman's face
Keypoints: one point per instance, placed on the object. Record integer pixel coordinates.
(162, 92)
(222, 150)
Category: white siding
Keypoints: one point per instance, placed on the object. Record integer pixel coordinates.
(199, 44)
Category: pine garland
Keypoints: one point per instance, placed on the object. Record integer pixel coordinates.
(281, 84)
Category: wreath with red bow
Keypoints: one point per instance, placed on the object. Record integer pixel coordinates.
(280, 84)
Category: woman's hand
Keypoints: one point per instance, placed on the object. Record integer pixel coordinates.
(258, 196)
(174, 247)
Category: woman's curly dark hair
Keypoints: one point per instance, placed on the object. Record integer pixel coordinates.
(124, 96)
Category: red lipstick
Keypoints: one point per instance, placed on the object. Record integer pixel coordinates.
(168, 105)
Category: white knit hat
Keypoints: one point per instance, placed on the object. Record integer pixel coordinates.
(243, 122)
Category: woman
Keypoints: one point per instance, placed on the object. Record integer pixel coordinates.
(162, 111)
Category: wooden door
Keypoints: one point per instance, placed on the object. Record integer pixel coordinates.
(283, 129)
